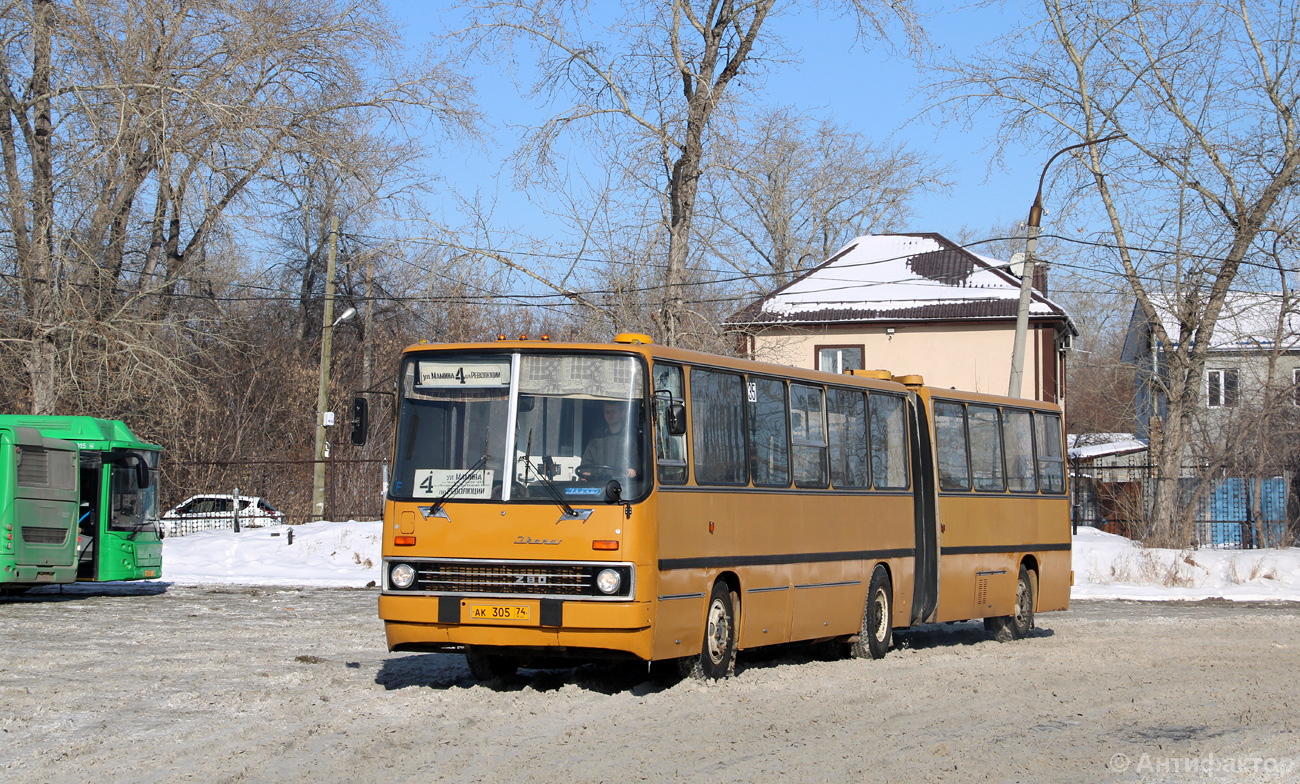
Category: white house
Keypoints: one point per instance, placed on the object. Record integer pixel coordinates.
(911, 304)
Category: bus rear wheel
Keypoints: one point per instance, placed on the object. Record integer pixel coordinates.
(486, 666)
(877, 632)
(1015, 626)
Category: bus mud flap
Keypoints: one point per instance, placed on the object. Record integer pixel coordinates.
(448, 609)
(551, 612)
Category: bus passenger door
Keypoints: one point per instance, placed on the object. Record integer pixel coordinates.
(89, 516)
(925, 592)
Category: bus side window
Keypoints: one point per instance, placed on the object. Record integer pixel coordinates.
(1018, 437)
(670, 450)
(951, 447)
(808, 434)
(769, 458)
(986, 448)
(846, 418)
(1051, 463)
(718, 427)
(887, 415)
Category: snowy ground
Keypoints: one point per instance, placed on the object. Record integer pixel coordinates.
(1106, 566)
(190, 679)
(247, 684)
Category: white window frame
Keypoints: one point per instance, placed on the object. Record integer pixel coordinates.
(837, 358)
(1218, 377)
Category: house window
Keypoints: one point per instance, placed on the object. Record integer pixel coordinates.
(1295, 386)
(837, 359)
(1222, 388)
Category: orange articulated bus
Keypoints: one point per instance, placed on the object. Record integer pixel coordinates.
(557, 501)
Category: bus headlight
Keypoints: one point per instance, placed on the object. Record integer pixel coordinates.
(608, 581)
(402, 576)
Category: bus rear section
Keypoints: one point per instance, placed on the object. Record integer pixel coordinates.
(40, 484)
(1003, 509)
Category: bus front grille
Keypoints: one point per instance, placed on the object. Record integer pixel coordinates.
(529, 578)
(33, 534)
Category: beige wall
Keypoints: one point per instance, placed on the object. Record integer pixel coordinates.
(975, 357)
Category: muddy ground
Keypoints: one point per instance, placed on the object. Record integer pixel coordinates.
(150, 683)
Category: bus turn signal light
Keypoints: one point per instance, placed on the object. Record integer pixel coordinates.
(403, 541)
(604, 544)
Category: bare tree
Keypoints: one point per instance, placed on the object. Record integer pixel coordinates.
(648, 87)
(788, 191)
(1204, 95)
(129, 131)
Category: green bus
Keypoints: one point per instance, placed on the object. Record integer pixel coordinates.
(77, 502)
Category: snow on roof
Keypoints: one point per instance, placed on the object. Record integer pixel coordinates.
(1090, 445)
(899, 277)
(1249, 320)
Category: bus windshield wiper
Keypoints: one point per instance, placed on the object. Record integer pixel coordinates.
(457, 485)
(556, 495)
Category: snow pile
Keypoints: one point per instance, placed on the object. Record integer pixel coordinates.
(1107, 566)
(322, 554)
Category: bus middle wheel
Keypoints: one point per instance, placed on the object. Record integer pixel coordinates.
(877, 632)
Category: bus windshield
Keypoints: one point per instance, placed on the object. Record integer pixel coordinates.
(132, 508)
(578, 424)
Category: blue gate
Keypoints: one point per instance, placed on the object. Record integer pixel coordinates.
(1224, 517)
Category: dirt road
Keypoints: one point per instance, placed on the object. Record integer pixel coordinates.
(233, 684)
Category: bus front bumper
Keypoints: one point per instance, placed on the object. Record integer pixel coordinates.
(414, 623)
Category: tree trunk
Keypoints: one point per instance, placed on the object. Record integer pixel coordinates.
(39, 269)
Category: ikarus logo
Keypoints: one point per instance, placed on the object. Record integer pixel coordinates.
(531, 540)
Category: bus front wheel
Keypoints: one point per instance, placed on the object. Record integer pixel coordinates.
(877, 632)
(1015, 626)
(486, 667)
(717, 657)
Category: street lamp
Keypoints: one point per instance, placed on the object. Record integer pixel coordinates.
(328, 323)
(344, 316)
(1027, 273)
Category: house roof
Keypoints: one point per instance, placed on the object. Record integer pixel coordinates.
(1092, 445)
(1249, 322)
(899, 277)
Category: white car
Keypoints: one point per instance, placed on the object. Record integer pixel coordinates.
(201, 512)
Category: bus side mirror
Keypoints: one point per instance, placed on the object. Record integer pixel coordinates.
(613, 492)
(675, 414)
(360, 420)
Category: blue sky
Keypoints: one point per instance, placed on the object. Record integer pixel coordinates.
(870, 91)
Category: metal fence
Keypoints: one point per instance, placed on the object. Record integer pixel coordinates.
(353, 489)
(194, 525)
(1230, 512)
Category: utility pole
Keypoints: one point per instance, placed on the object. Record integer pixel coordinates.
(366, 350)
(1027, 274)
(323, 391)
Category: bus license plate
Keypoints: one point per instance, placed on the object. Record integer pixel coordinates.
(499, 612)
